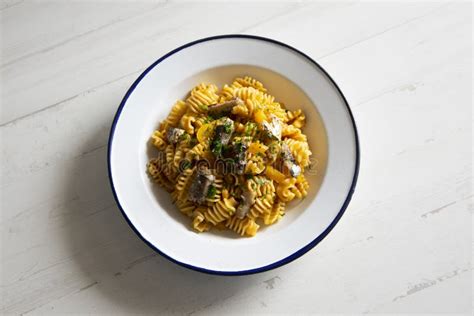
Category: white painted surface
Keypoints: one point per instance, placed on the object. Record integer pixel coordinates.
(404, 244)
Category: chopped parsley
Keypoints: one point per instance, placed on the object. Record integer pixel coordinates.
(211, 192)
(228, 127)
(185, 164)
(184, 137)
(249, 128)
(239, 147)
(249, 176)
(216, 147)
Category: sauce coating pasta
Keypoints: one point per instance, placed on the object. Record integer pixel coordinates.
(231, 158)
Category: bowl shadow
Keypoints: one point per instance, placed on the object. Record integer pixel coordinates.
(111, 257)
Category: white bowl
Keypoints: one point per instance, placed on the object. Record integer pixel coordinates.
(295, 80)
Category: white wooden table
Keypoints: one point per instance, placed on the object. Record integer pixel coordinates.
(404, 244)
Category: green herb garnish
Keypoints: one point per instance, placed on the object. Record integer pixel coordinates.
(249, 128)
(184, 137)
(228, 128)
(211, 192)
(193, 141)
(239, 147)
(216, 147)
(186, 165)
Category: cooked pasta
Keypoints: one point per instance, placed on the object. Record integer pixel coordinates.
(232, 158)
(262, 206)
(158, 139)
(199, 221)
(296, 118)
(276, 213)
(201, 97)
(285, 190)
(175, 115)
(300, 151)
(221, 210)
(244, 227)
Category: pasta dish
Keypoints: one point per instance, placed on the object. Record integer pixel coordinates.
(231, 158)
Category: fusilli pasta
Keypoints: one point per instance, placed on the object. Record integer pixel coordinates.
(232, 158)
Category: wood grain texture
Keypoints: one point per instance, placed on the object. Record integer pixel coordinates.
(404, 244)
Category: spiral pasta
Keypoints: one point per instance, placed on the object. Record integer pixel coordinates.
(177, 111)
(179, 154)
(221, 210)
(231, 158)
(300, 150)
(183, 182)
(290, 131)
(155, 170)
(301, 187)
(250, 82)
(285, 190)
(243, 227)
(158, 140)
(260, 185)
(262, 206)
(199, 221)
(276, 213)
(201, 97)
(187, 122)
(197, 152)
(255, 164)
(296, 118)
(186, 207)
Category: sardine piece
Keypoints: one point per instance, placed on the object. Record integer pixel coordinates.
(224, 108)
(222, 134)
(293, 168)
(200, 185)
(239, 151)
(224, 130)
(273, 129)
(248, 198)
(173, 135)
(289, 162)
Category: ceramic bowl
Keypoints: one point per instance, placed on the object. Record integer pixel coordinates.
(296, 81)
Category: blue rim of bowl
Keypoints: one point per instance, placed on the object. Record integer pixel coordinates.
(299, 252)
